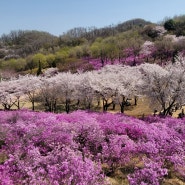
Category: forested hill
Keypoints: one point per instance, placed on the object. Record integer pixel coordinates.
(130, 42)
(92, 33)
(31, 40)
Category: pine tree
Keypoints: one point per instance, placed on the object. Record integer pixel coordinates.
(39, 71)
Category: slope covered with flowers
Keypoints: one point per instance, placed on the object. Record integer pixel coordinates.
(84, 148)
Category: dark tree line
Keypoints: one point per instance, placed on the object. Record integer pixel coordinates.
(176, 25)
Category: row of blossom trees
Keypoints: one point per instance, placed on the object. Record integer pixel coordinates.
(111, 85)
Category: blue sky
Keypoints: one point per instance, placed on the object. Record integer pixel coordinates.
(58, 16)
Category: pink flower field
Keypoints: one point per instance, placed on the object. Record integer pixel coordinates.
(85, 148)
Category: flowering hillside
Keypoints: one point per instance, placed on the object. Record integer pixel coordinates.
(83, 148)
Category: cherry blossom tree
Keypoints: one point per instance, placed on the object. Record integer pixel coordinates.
(164, 86)
(147, 50)
(65, 83)
(29, 86)
(100, 82)
(48, 93)
(127, 86)
(124, 82)
(84, 91)
(115, 84)
(10, 93)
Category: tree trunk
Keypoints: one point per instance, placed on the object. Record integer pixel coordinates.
(78, 104)
(18, 103)
(122, 104)
(33, 105)
(135, 100)
(54, 106)
(113, 106)
(67, 106)
(104, 105)
(89, 106)
(122, 107)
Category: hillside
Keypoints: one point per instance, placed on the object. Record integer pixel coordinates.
(131, 42)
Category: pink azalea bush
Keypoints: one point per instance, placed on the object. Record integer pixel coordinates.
(47, 148)
(130, 61)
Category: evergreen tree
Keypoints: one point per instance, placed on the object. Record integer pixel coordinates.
(39, 71)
